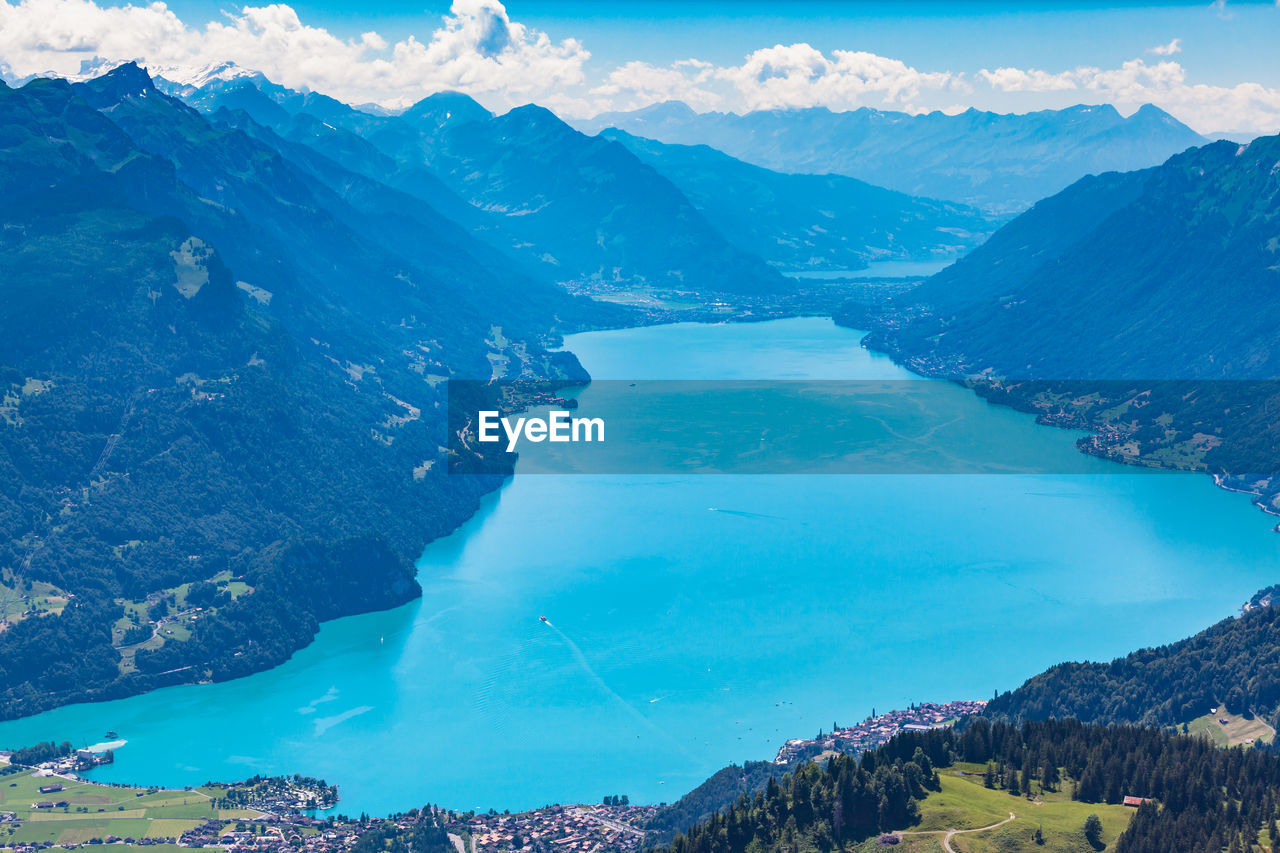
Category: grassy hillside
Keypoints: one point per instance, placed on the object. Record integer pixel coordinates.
(965, 804)
(1057, 785)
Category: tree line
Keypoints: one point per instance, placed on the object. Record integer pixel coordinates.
(1199, 797)
(1235, 663)
(30, 756)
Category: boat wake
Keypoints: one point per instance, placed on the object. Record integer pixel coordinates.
(744, 514)
(603, 685)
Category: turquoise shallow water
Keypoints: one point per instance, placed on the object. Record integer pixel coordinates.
(887, 269)
(684, 637)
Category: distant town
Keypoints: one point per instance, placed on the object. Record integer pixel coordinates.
(281, 813)
(877, 730)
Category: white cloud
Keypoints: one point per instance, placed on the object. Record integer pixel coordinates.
(55, 35)
(477, 49)
(1028, 80)
(795, 75)
(1243, 107)
(638, 84)
(799, 75)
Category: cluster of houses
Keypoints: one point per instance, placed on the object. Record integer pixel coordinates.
(878, 730)
(267, 833)
(573, 829)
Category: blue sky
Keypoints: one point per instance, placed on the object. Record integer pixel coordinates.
(1224, 48)
(1209, 64)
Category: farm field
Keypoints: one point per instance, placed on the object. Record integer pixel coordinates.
(84, 811)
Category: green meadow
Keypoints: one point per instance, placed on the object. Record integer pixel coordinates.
(101, 811)
(964, 803)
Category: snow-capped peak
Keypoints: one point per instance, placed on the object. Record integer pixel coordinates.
(200, 77)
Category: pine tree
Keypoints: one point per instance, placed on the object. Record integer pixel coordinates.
(1048, 776)
(1013, 782)
(923, 761)
(1093, 830)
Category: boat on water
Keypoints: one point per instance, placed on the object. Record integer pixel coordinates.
(112, 735)
(544, 619)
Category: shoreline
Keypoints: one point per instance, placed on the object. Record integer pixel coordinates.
(1220, 482)
(1093, 430)
(623, 825)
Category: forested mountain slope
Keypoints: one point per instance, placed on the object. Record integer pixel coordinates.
(1235, 664)
(211, 373)
(1163, 273)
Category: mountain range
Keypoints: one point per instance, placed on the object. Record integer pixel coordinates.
(799, 222)
(610, 207)
(1141, 303)
(1001, 162)
(567, 206)
(1163, 273)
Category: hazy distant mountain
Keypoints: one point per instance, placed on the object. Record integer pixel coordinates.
(1002, 162)
(571, 206)
(800, 222)
(215, 363)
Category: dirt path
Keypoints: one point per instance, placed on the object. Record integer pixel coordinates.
(946, 839)
(947, 833)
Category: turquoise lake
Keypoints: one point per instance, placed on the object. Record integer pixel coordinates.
(697, 620)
